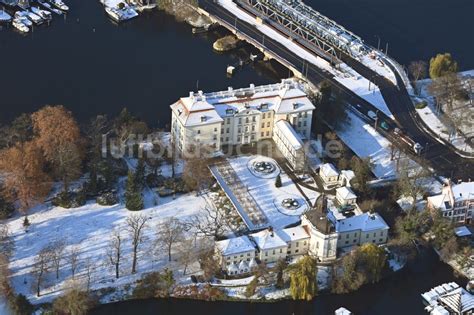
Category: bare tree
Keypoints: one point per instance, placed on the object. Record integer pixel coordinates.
(211, 222)
(410, 183)
(56, 251)
(418, 70)
(187, 253)
(168, 233)
(73, 259)
(135, 226)
(89, 269)
(114, 252)
(447, 89)
(40, 268)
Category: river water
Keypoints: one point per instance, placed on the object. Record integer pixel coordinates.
(93, 66)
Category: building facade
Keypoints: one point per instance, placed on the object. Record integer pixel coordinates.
(456, 202)
(241, 116)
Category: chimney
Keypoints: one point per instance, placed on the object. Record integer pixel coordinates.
(191, 94)
(270, 230)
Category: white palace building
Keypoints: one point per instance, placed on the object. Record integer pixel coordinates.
(281, 112)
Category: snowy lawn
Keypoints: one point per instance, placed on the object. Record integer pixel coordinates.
(440, 124)
(89, 228)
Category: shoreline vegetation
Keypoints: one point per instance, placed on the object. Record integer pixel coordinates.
(226, 43)
(184, 11)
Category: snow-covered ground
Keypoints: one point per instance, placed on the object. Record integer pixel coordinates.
(347, 76)
(89, 228)
(440, 124)
(267, 196)
(365, 141)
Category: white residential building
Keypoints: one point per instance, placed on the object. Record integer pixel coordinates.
(360, 229)
(297, 240)
(290, 144)
(271, 247)
(329, 175)
(236, 255)
(241, 116)
(345, 196)
(456, 202)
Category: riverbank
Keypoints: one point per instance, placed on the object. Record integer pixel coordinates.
(397, 294)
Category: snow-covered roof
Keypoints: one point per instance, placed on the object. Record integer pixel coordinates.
(364, 222)
(348, 174)
(233, 268)
(460, 192)
(462, 231)
(342, 311)
(243, 265)
(253, 263)
(293, 234)
(267, 239)
(451, 296)
(284, 98)
(290, 134)
(235, 245)
(328, 170)
(345, 193)
(195, 111)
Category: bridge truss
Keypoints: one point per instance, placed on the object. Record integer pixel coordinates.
(305, 22)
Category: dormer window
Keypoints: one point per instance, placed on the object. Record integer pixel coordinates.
(203, 118)
(229, 111)
(295, 105)
(264, 106)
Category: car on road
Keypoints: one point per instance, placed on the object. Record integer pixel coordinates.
(372, 115)
(417, 148)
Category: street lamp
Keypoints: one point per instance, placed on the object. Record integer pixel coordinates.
(378, 42)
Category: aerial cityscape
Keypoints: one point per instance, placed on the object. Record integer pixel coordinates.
(237, 157)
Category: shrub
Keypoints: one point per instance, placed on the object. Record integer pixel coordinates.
(6, 209)
(107, 199)
(74, 302)
(155, 284)
(20, 305)
(251, 287)
(421, 105)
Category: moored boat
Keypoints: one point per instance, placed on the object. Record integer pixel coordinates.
(18, 24)
(60, 5)
(45, 15)
(22, 16)
(48, 6)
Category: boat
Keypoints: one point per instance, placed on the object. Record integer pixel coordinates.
(60, 5)
(5, 17)
(121, 12)
(45, 15)
(23, 18)
(18, 24)
(50, 7)
(31, 16)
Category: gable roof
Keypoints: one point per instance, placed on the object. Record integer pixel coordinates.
(235, 245)
(345, 193)
(268, 240)
(293, 234)
(328, 170)
(365, 222)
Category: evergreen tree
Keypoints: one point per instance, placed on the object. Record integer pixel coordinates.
(251, 287)
(133, 195)
(278, 181)
(140, 173)
(303, 285)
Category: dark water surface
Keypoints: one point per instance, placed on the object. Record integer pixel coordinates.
(92, 66)
(397, 295)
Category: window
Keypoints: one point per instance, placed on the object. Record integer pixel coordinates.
(268, 124)
(226, 139)
(199, 132)
(347, 235)
(366, 235)
(266, 254)
(253, 127)
(227, 130)
(381, 233)
(281, 250)
(254, 119)
(380, 240)
(253, 137)
(268, 133)
(297, 244)
(304, 123)
(263, 116)
(263, 125)
(273, 252)
(215, 129)
(246, 129)
(347, 242)
(238, 139)
(296, 251)
(242, 255)
(228, 120)
(239, 130)
(262, 134)
(246, 120)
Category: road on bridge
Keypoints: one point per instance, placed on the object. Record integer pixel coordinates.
(441, 158)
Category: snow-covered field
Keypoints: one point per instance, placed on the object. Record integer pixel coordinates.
(347, 76)
(88, 228)
(440, 124)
